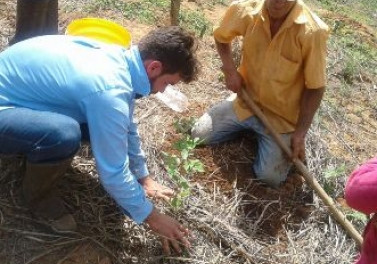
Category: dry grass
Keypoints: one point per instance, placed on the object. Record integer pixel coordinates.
(233, 218)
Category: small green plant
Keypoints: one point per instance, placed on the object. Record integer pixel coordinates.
(359, 10)
(145, 11)
(183, 125)
(186, 145)
(195, 21)
(350, 70)
(172, 164)
(357, 218)
(331, 177)
(182, 166)
(152, 11)
(335, 172)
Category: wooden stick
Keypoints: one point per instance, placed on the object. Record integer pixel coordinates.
(310, 180)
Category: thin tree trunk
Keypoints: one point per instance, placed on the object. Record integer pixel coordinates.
(174, 12)
(35, 18)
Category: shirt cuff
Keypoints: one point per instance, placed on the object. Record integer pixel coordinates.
(140, 171)
(142, 212)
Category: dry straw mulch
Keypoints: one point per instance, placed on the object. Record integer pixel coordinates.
(232, 217)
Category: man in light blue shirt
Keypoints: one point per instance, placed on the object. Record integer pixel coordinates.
(54, 88)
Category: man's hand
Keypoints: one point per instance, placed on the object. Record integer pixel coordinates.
(156, 190)
(233, 80)
(172, 233)
(298, 145)
(311, 98)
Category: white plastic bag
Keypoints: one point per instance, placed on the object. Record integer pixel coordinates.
(173, 98)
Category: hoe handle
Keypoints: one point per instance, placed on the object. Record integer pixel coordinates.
(310, 180)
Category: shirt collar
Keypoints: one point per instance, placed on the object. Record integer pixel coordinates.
(298, 14)
(139, 77)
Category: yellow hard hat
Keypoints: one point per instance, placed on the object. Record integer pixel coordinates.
(100, 29)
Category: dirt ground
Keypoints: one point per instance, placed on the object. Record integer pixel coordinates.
(234, 218)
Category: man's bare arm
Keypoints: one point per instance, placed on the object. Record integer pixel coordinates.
(310, 102)
(233, 79)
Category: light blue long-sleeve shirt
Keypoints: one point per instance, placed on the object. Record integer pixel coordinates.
(93, 83)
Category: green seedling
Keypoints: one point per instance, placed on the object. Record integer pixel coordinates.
(182, 166)
(331, 176)
(183, 125)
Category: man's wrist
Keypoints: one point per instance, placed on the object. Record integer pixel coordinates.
(228, 69)
(143, 179)
(151, 216)
(300, 133)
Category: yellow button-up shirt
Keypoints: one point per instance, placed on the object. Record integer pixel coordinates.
(276, 70)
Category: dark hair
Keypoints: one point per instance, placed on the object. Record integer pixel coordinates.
(175, 48)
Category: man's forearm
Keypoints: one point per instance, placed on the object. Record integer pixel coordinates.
(310, 102)
(225, 53)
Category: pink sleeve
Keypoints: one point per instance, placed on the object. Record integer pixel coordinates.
(361, 188)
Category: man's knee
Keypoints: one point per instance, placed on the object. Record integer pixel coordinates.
(219, 124)
(69, 138)
(271, 165)
(272, 175)
(60, 142)
(203, 128)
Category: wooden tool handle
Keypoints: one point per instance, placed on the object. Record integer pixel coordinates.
(310, 180)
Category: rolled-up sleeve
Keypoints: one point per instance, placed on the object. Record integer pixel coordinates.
(111, 131)
(138, 165)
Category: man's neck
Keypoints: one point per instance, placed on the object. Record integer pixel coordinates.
(275, 25)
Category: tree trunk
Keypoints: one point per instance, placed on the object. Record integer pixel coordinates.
(174, 12)
(35, 18)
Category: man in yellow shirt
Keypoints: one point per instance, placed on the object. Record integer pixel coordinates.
(283, 69)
